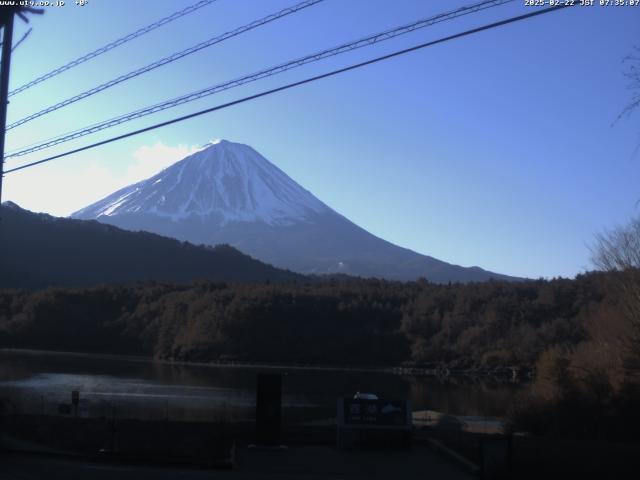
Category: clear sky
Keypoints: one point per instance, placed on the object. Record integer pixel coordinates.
(498, 149)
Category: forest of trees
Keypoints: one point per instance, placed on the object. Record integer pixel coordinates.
(577, 335)
(592, 389)
(336, 321)
(581, 336)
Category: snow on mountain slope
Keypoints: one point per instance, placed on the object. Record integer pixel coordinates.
(229, 193)
(225, 180)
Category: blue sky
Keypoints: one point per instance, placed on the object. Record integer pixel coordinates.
(498, 149)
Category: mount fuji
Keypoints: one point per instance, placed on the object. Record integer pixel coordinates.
(228, 193)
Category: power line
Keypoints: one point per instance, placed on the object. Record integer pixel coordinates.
(114, 44)
(346, 47)
(166, 60)
(386, 35)
(5, 67)
(7, 16)
(22, 39)
(296, 84)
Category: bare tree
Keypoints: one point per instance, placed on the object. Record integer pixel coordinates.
(618, 251)
(633, 74)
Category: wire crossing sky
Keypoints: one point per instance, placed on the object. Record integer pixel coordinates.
(112, 45)
(167, 60)
(500, 150)
(314, 57)
(297, 84)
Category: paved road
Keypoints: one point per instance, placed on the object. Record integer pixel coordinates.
(307, 463)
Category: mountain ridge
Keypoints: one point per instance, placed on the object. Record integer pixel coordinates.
(39, 250)
(227, 192)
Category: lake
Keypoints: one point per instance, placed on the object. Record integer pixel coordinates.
(39, 382)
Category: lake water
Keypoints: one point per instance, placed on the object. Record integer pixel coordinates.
(39, 382)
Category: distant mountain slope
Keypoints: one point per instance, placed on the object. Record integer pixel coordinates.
(229, 193)
(38, 250)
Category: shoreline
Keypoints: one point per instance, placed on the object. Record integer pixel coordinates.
(517, 374)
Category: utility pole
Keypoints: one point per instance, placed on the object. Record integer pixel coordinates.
(5, 66)
(7, 15)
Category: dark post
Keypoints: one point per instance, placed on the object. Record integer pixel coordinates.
(268, 409)
(7, 44)
(75, 399)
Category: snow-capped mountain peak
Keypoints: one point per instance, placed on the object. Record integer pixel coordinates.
(224, 181)
(228, 193)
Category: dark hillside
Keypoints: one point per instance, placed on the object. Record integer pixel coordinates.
(38, 250)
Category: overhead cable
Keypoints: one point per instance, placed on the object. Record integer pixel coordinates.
(112, 45)
(166, 60)
(294, 84)
(346, 47)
